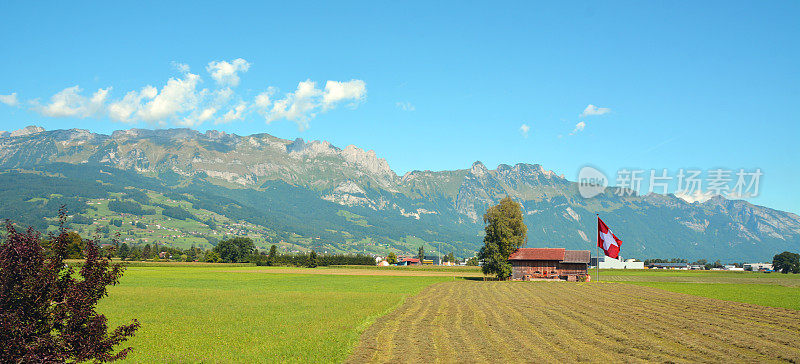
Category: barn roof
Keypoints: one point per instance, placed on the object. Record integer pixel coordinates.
(576, 256)
(538, 254)
(411, 260)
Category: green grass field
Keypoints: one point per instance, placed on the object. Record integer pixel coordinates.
(196, 312)
(773, 289)
(249, 314)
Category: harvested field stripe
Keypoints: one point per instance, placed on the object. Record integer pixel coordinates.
(573, 322)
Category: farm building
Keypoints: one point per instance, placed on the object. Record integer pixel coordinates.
(408, 261)
(554, 263)
(611, 263)
(755, 267)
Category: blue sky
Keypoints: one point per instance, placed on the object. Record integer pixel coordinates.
(693, 85)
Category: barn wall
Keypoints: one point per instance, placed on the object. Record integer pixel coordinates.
(572, 268)
(521, 268)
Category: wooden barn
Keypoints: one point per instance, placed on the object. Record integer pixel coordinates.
(552, 263)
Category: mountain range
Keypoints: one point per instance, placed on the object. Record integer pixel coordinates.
(314, 195)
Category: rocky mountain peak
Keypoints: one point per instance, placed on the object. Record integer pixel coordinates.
(478, 169)
(28, 130)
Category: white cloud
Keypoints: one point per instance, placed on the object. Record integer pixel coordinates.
(405, 106)
(225, 73)
(152, 105)
(592, 110)
(524, 129)
(70, 103)
(307, 101)
(10, 100)
(195, 118)
(183, 101)
(178, 95)
(181, 67)
(236, 113)
(335, 91)
(578, 128)
(264, 99)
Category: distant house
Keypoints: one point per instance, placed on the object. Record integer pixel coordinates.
(553, 263)
(408, 261)
(755, 267)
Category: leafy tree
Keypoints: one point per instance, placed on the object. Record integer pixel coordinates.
(124, 250)
(786, 262)
(421, 253)
(135, 253)
(391, 258)
(75, 245)
(450, 257)
(235, 250)
(312, 260)
(47, 314)
(273, 255)
(505, 233)
(472, 262)
(212, 257)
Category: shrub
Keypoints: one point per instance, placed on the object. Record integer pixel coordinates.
(47, 315)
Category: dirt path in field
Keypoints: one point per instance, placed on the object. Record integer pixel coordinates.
(472, 321)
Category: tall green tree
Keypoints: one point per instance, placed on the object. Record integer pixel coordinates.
(124, 250)
(212, 257)
(391, 258)
(505, 233)
(786, 262)
(421, 253)
(235, 250)
(312, 260)
(273, 255)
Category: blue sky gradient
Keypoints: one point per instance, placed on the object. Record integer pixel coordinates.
(688, 84)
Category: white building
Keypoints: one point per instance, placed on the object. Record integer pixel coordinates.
(755, 267)
(611, 263)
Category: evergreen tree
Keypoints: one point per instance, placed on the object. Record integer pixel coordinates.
(312, 260)
(273, 255)
(421, 253)
(124, 250)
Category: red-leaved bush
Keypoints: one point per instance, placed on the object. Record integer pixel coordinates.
(47, 312)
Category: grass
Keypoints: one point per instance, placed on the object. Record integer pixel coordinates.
(758, 294)
(773, 289)
(198, 312)
(576, 322)
(224, 314)
(418, 268)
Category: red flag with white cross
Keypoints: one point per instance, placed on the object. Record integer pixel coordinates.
(607, 241)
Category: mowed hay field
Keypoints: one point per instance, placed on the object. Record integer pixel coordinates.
(773, 289)
(474, 321)
(200, 313)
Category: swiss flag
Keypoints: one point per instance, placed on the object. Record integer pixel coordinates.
(606, 240)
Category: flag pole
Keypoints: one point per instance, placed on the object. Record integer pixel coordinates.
(597, 247)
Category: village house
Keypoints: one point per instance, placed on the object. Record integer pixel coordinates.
(551, 263)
